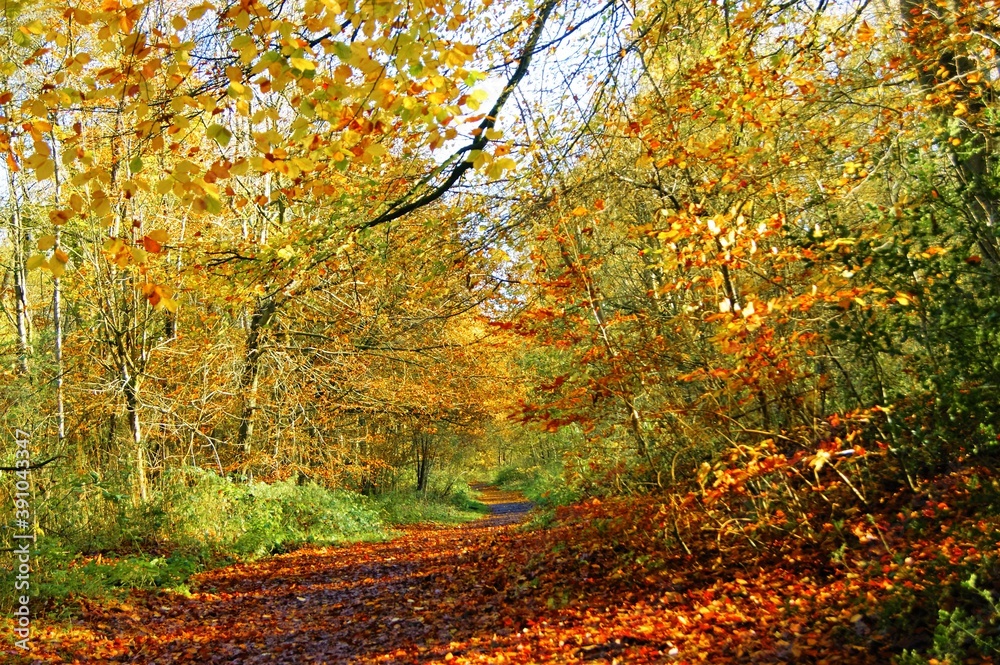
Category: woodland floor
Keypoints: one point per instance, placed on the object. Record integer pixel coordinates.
(492, 592)
(365, 603)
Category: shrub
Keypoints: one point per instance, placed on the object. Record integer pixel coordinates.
(203, 511)
(546, 486)
(410, 507)
(100, 544)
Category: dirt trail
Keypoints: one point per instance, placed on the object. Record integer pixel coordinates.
(486, 592)
(505, 507)
(409, 600)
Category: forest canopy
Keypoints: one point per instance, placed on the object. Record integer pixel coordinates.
(739, 255)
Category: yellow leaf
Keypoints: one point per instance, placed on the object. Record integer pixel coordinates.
(476, 99)
(60, 217)
(506, 164)
(220, 134)
(246, 47)
(240, 167)
(114, 245)
(159, 235)
(43, 166)
(302, 64)
(212, 203)
(102, 207)
(196, 13)
(819, 460)
(243, 20)
(58, 269)
(375, 150)
(34, 28)
(46, 242)
(579, 211)
(35, 261)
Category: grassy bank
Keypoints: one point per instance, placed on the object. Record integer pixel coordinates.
(100, 546)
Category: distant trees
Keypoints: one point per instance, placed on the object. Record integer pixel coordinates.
(208, 189)
(786, 229)
(307, 238)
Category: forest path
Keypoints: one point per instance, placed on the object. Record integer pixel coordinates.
(410, 600)
(506, 507)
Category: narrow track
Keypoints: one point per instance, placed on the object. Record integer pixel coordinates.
(409, 600)
(505, 507)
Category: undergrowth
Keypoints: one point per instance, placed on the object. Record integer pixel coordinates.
(409, 507)
(545, 486)
(98, 545)
(911, 578)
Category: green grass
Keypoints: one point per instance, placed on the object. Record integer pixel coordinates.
(408, 507)
(545, 486)
(102, 579)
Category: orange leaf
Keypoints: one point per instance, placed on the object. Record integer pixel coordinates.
(151, 245)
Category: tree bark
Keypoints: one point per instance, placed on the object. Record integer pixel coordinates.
(20, 279)
(251, 369)
(135, 429)
(423, 458)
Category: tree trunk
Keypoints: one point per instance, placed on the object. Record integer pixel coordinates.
(251, 369)
(135, 429)
(422, 446)
(20, 279)
(57, 322)
(57, 325)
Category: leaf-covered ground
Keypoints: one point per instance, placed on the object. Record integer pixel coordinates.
(491, 592)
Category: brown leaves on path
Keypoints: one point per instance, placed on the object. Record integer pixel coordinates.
(370, 602)
(486, 592)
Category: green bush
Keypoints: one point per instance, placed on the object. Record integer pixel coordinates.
(201, 512)
(510, 476)
(65, 579)
(410, 507)
(99, 543)
(546, 486)
(969, 629)
(462, 499)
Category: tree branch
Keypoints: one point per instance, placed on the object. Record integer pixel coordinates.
(14, 469)
(399, 208)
